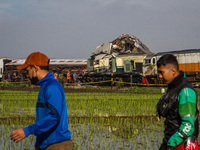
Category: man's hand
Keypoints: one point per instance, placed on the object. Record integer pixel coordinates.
(18, 135)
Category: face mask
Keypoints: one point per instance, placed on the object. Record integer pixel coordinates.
(34, 80)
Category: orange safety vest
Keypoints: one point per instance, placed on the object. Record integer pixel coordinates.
(56, 76)
(68, 76)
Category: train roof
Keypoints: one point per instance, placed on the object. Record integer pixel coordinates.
(136, 54)
(68, 61)
(5, 58)
(179, 52)
(54, 62)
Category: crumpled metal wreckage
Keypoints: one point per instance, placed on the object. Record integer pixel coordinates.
(124, 44)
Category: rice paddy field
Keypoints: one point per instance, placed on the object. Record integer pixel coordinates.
(98, 120)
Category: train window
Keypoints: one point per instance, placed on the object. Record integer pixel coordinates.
(138, 67)
(132, 63)
(154, 60)
(97, 62)
(147, 61)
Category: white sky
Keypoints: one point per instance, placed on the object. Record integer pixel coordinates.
(74, 28)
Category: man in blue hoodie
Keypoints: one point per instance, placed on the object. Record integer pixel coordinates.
(51, 126)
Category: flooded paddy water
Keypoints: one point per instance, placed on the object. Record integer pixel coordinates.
(104, 121)
(96, 133)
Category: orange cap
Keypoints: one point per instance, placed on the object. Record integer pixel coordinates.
(35, 58)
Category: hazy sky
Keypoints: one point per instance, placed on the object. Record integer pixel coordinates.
(74, 28)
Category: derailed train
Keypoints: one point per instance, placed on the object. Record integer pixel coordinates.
(121, 59)
(127, 59)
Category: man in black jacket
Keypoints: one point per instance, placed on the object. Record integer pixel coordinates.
(178, 106)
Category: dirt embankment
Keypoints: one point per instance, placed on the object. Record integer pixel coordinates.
(67, 90)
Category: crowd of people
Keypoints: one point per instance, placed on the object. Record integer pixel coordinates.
(12, 77)
(70, 77)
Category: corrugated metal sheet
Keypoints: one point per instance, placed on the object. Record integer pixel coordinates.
(104, 48)
(98, 57)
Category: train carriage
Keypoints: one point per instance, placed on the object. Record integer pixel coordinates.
(59, 66)
(189, 62)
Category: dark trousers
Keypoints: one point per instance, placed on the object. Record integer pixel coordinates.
(65, 145)
(163, 146)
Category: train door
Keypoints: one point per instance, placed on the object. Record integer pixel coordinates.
(114, 69)
(138, 67)
(153, 60)
(90, 65)
(127, 66)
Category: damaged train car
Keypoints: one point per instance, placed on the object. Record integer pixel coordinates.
(189, 62)
(58, 66)
(122, 59)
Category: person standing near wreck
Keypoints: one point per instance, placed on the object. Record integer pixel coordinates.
(51, 126)
(178, 106)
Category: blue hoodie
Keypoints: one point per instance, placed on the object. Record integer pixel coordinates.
(51, 124)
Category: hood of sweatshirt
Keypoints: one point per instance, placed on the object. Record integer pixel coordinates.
(45, 79)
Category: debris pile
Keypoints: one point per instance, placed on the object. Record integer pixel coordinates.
(124, 44)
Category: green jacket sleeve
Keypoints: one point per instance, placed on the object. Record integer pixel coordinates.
(187, 111)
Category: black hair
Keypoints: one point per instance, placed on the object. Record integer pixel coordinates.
(45, 67)
(168, 59)
(42, 67)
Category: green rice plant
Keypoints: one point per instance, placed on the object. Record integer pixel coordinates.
(124, 120)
